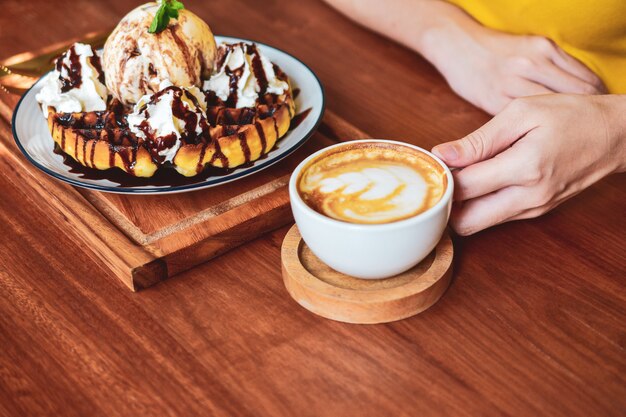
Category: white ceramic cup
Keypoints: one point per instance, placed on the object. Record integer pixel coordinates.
(371, 251)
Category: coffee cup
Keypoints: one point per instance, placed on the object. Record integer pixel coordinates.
(371, 208)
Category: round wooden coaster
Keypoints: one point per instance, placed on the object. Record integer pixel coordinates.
(328, 293)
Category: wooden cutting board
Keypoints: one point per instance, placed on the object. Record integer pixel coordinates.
(146, 239)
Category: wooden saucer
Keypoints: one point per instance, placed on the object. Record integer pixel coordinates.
(328, 293)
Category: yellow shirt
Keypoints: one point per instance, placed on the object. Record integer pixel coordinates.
(592, 31)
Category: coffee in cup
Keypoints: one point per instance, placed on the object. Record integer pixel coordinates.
(372, 183)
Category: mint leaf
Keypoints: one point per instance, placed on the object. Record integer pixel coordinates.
(173, 14)
(166, 11)
(176, 5)
(159, 23)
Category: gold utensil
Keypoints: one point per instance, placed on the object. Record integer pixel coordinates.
(20, 72)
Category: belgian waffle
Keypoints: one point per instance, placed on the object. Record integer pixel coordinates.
(235, 136)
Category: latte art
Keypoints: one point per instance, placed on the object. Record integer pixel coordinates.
(372, 184)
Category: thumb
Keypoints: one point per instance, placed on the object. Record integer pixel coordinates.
(489, 140)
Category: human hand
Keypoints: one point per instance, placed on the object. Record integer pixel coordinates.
(536, 153)
(489, 68)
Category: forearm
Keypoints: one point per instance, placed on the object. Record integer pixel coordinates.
(421, 25)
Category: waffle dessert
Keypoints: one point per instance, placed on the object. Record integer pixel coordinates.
(232, 137)
(231, 118)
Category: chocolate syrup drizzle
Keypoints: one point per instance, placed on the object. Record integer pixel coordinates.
(166, 177)
(191, 119)
(299, 118)
(235, 74)
(261, 133)
(244, 146)
(74, 70)
(257, 68)
(94, 60)
(91, 126)
(112, 127)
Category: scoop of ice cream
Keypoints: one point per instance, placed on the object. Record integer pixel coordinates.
(242, 74)
(136, 61)
(76, 84)
(168, 118)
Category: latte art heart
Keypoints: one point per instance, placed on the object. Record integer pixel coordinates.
(372, 184)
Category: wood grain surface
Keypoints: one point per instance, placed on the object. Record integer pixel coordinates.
(144, 240)
(534, 322)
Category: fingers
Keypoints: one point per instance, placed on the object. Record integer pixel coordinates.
(489, 140)
(560, 80)
(480, 213)
(521, 87)
(537, 211)
(570, 64)
(514, 202)
(488, 176)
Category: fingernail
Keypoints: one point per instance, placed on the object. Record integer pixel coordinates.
(446, 152)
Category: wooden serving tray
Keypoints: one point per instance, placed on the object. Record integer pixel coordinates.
(146, 239)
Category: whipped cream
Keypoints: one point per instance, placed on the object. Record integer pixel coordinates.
(167, 117)
(253, 74)
(76, 84)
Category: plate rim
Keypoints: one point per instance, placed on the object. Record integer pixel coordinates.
(181, 188)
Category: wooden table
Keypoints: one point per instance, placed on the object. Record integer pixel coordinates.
(533, 324)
